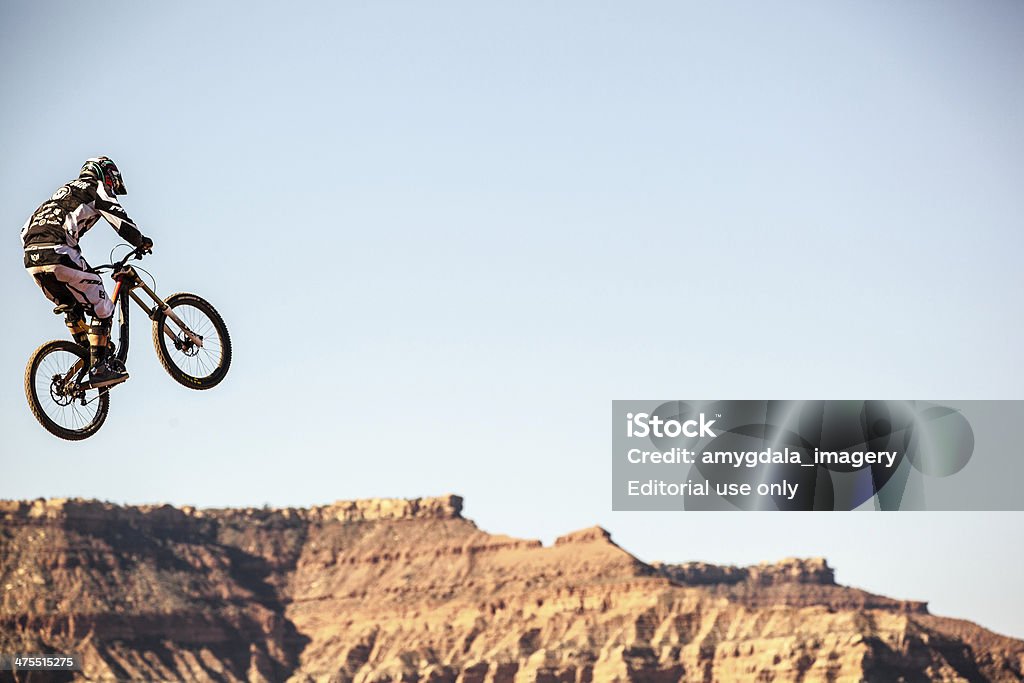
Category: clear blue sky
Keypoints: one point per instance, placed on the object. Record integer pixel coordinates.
(446, 235)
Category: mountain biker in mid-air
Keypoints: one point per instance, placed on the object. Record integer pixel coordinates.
(52, 257)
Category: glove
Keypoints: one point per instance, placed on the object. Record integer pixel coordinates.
(146, 245)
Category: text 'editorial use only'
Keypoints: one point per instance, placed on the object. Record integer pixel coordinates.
(815, 455)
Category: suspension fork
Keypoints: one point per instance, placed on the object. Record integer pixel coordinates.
(160, 307)
(122, 323)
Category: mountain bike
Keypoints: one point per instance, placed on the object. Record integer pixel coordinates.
(190, 338)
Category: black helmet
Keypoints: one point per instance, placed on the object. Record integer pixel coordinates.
(105, 170)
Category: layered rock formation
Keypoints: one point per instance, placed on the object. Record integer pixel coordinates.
(409, 590)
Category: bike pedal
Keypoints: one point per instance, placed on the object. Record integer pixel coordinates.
(107, 383)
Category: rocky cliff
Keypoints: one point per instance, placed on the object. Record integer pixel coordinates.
(409, 590)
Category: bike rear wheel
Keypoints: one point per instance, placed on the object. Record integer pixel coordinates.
(53, 395)
(191, 365)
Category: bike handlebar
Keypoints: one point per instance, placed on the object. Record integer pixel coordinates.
(137, 253)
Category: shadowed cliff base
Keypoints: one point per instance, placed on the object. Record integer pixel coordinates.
(409, 590)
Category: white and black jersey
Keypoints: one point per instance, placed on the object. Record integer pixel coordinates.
(52, 255)
(72, 210)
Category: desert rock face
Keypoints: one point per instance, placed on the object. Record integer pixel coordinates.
(409, 590)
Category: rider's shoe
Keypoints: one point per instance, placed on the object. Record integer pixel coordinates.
(108, 373)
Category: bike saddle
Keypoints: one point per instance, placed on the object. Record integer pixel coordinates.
(64, 308)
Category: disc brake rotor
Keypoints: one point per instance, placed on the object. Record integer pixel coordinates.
(57, 392)
(186, 346)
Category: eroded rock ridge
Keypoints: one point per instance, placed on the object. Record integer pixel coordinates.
(409, 590)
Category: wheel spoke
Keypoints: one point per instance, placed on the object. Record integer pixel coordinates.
(199, 362)
(196, 365)
(63, 414)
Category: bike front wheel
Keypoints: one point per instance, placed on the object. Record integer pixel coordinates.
(196, 366)
(54, 394)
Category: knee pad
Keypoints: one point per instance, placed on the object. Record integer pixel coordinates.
(100, 326)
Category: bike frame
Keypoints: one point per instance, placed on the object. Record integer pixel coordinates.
(127, 283)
